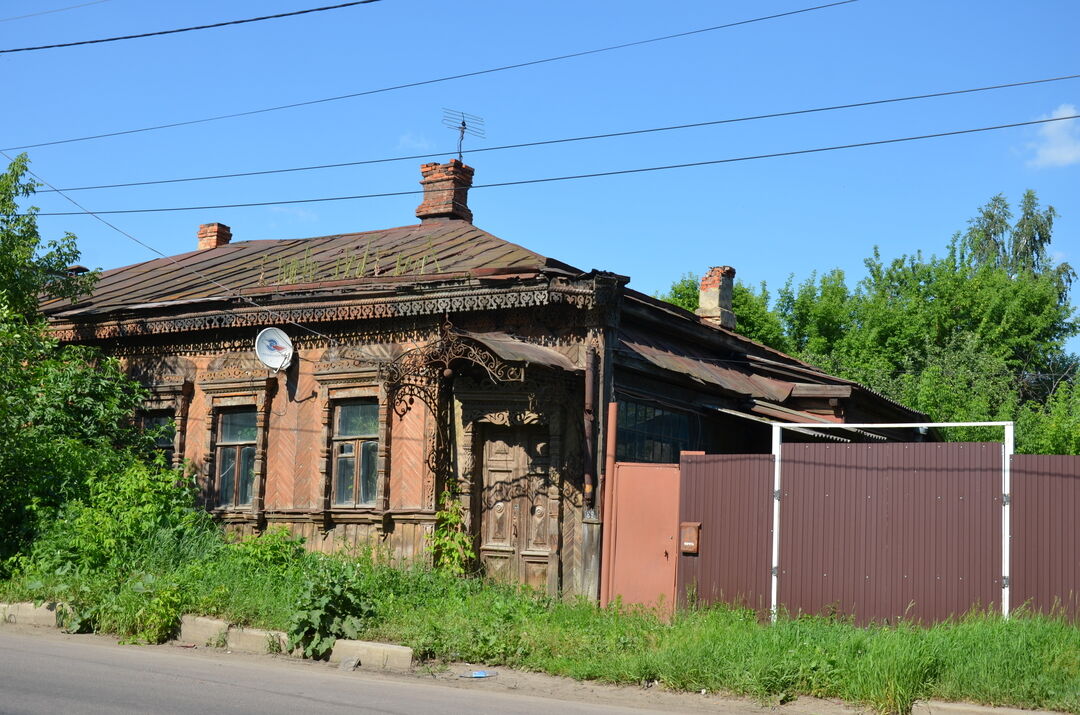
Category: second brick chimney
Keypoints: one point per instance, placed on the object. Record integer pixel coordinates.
(446, 191)
(212, 235)
(715, 297)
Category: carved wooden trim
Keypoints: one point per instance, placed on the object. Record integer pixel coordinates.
(341, 380)
(452, 301)
(257, 391)
(173, 393)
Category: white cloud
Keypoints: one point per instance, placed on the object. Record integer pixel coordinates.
(295, 212)
(1059, 142)
(413, 142)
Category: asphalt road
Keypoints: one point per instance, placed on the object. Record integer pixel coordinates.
(49, 674)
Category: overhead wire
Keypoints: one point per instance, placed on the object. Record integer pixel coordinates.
(49, 12)
(591, 137)
(190, 269)
(422, 83)
(188, 29)
(593, 175)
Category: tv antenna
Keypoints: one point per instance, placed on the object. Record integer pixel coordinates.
(464, 124)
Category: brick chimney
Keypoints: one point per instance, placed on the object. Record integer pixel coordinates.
(212, 235)
(446, 191)
(715, 297)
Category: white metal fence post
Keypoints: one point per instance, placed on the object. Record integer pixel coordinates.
(777, 431)
(1007, 448)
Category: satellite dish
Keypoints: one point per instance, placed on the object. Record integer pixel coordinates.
(274, 349)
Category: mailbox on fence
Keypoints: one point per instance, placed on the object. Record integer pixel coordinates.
(689, 536)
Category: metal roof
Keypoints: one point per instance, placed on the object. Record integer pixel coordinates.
(732, 375)
(513, 349)
(407, 254)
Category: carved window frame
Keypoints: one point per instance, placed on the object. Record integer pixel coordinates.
(172, 396)
(360, 382)
(222, 395)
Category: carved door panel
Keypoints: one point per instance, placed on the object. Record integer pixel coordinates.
(519, 519)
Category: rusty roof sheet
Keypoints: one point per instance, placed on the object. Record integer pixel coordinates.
(513, 349)
(426, 251)
(733, 376)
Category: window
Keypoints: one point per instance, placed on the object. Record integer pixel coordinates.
(160, 424)
(651, 434)
(235, 452)
(355, 452)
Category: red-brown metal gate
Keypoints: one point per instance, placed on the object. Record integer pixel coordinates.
(1046, 532)
(890, 531)
(640, 535)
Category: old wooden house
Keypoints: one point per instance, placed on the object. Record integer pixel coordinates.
(435, 353)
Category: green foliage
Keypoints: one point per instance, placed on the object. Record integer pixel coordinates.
(451, 542)
(1054, 427)
(976, 334)
(753, 317)
(29, 267)
(65, 413)
(333, 605)
(685, 292)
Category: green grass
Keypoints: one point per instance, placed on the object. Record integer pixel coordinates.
(1030, 661)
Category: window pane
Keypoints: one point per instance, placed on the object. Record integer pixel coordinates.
(344, 472)
(369, 452)
(238, 426)
(226, 475)
(160, 423)
(357, 419)
(247, 474)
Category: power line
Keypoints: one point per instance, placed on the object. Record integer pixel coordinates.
(189, 29)
(575, 139)
(422, 83)
(190, 269)
(585, 176)
(49, 12)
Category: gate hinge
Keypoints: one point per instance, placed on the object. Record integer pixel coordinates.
(1004, 581)
(776, 495)
(773, 570)
(1006, 499)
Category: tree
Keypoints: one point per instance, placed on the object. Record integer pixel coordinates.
(754, 318)
(976, 334)
(27, 267)
(65, 412)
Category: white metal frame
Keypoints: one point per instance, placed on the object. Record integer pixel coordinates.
(1007, 447)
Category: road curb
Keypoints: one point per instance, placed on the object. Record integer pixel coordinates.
(214, 632)
(940, 707)
(200, 630)
(28, 614)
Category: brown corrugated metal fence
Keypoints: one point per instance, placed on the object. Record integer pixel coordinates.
(1046, 532)
(889, 531)
(878, 532)
(731, 495)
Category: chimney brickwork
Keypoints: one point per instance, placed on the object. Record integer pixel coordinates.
(715, 297)
(446, 191)
(212, 235)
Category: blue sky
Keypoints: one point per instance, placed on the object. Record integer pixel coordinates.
(768, 218)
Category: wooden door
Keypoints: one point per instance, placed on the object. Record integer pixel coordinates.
(518, 508)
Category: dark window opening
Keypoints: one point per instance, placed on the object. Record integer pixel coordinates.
(235, 450)
(647, 433)
(160, 424)
(355, 452)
